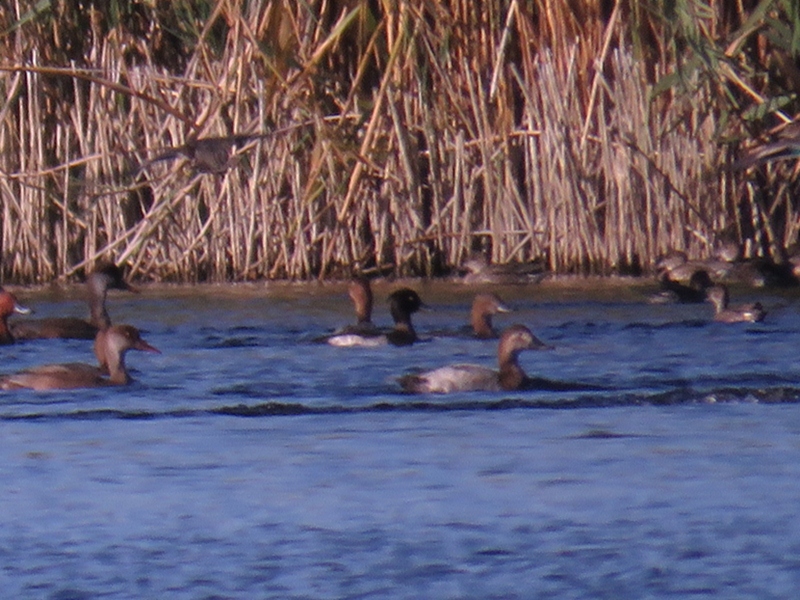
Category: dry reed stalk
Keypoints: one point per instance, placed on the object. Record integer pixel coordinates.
(471, 134)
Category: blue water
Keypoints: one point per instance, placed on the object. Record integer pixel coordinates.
(247, 461)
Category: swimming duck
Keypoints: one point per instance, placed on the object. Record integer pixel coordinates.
(675, 291)
(480, 318)
(718, 295)
(9, 306)
(108, 276)
(118, 340)
(360, 293)
(467, 378)
(402, 304)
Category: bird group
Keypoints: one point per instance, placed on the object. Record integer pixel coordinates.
(701, 288)
(111, 342)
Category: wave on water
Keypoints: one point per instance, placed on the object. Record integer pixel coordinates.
(404, 403)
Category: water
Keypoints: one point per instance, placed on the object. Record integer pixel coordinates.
(247, 461)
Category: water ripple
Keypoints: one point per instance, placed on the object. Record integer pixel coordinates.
(775, 395)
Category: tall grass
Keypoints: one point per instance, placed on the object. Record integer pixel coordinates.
(411, 135)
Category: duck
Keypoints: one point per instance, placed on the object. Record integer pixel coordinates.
(402, 304)
(471, 378)
(478, 270)
(480, 317)
(719, 296)
(680, 268)
(776, 269)
(676, 292)
(360, 293)
(8, 306)
(118, 340)
(105, 277)
(765, 271)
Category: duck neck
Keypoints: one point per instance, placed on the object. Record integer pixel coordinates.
(402, 320)
(98, 289)
(363, 305)
(117, 373)
(511, 374)
(511, 377)
(402, 334)
(482, 326)
(719, 304)
(364, 315)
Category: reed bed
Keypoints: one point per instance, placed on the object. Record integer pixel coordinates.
(408, 137)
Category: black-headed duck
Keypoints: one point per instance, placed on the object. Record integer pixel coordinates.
(105, 277)
(402, 304)
(719, 296)
(480, 316)
(118, 340)
(9, 306)
(468, 378)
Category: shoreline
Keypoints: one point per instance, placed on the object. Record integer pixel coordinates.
(551, 288)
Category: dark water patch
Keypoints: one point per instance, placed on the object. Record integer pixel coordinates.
(605, 327)
(232, 342)
(601, 434)
(758, 330)
(101, 414)
(71, 594)
(587, 330)
(212, 338)
(240, 390)
(584, 328)
(463, 332)
(550, 385)
(682, 324)
(259, 391)
(744, 382)
(494, 552)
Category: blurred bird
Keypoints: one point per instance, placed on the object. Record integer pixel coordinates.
(784, 145)
(719, 296)
(207, 155)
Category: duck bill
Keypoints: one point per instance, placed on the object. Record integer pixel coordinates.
(537, 344)
(129, 288)
(145, 347)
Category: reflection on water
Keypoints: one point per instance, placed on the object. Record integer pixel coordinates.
(248, 461)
